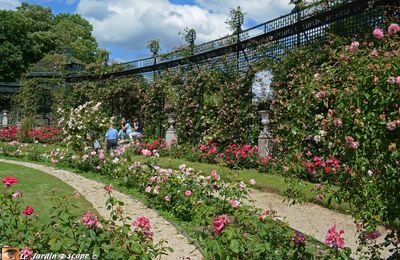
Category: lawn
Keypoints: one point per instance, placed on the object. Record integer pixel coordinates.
(38, 188)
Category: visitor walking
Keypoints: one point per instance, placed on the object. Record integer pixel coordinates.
(111, 138)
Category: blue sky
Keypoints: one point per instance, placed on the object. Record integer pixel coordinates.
(124, 26)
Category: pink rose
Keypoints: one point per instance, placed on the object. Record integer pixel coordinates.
(89, 219)
(148, 189)
(26, 253)
(333, 238)
(253, 182)
(188, 193)
(378, 33)
(234, 203)
(167, 198)
(391, 125)
(17, 194)
(101, 156)
(393, 29)
(354, 46)
(220, 222)
(391, 80)
(142, 225)
(93, 153)
(398, 81)
(108, 188)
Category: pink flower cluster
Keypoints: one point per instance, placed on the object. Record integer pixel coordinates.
(334, 238)
(351, 143)
(142, 225)
(220, 222)
(379, 33)
(90, 220)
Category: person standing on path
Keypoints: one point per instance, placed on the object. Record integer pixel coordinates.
(111, 138)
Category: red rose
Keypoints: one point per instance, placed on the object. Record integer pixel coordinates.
(10, 180)
(28, 211)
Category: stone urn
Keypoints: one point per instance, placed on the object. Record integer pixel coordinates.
(171, 136)
(264, 139)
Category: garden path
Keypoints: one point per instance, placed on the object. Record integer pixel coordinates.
(93, 191)
(310, 219)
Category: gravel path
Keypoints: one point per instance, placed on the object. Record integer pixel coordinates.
(311, 219)
(93, 192)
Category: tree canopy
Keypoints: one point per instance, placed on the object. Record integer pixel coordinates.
(30, 32)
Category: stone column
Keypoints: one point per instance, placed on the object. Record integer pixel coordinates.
(171, 136)
(4, 122)
(265, 138)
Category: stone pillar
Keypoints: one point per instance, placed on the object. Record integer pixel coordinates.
(265, 138)
(171, 136)
(4, 122)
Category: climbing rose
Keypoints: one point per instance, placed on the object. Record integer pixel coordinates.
(354, 46)
(89, 219)
(188, 193)
(333, 238)
(220, 222)
(28, 211)
(8, 181)
(393, 29)
(378, 33)
(26, 253)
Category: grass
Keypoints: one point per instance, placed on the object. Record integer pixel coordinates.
(267, 182)
(37, 188)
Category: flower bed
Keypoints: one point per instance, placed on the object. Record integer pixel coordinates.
(69, 234)
(41, 135)
(219, 214)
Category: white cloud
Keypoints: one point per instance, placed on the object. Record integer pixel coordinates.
(9, 4)
(257, 10)
(129, 24)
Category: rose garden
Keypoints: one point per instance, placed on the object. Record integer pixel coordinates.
(306, 168)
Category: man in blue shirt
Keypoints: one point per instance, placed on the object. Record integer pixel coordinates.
(111, 138)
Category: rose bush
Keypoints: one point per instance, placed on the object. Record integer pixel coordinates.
(337, 116)
(69, 234)
(41, 135)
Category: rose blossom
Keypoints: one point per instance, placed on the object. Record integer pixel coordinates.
(392, 147)
(220, 222)
(101, 156)
(146, 152)
(354, 46)
(393, 29)
(8, 181)
(391, 125)
(253, 182)
(17, 194)
(299, 239)
(338, 122)
(148, 189)
(28, 211)
(188, 193)
(372, 235)
(26, 253)
(89, 219)
(398, 81)
(93, 153)
(108, 188)
(167, 198)
(333, 238)
(234, 203)
(378, 33)
(142, 225)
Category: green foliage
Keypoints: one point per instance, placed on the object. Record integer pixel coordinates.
(31, 31)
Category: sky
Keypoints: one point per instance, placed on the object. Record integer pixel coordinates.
(125, 26)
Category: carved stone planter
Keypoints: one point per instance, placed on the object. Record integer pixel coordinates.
(171, 136)
(265, 138)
